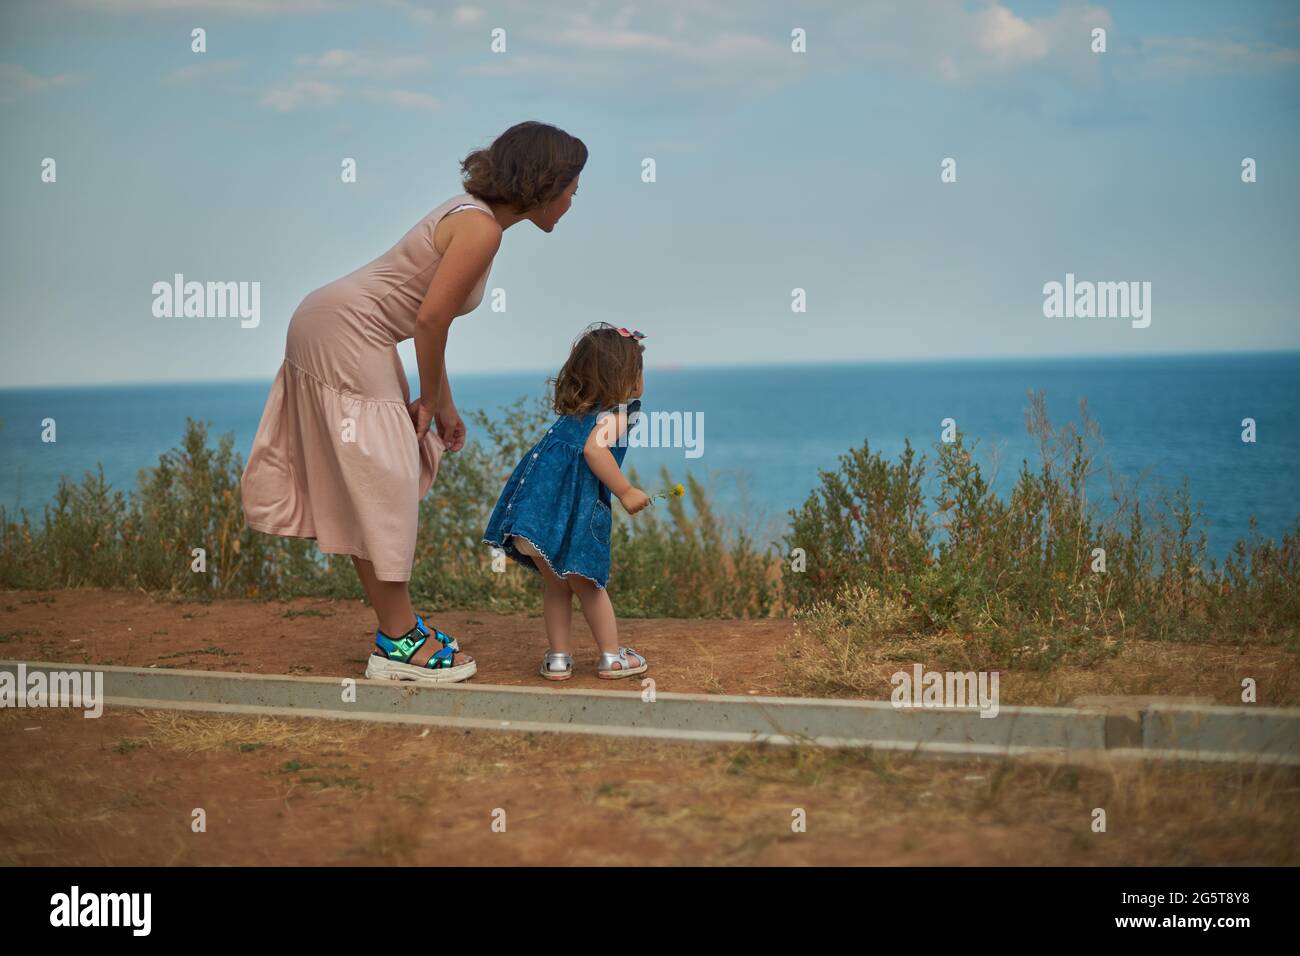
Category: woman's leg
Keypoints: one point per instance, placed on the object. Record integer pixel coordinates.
(557, 600)
(392, 603)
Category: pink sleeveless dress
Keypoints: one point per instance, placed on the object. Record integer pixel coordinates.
(335, 457)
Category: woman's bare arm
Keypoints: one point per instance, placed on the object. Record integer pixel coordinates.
(473, 244)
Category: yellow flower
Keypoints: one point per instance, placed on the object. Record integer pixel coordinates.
(676, 491)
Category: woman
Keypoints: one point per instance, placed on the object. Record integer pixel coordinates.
(342, 454)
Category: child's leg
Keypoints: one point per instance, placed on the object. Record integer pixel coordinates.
(557, 600)
(598, 609)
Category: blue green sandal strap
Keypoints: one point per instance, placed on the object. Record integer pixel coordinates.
(443, 638)
(442, 658)
(402, 649)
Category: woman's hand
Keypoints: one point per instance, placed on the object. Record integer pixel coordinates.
(451, 429)
(421, 417)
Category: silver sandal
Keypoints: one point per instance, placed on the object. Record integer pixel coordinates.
(557, 665)
(605, 669)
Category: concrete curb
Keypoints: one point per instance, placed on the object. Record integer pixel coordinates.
(1150, 730)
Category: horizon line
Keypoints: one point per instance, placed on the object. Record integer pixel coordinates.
(758, 365)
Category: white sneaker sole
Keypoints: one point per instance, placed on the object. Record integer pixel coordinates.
(381, 668)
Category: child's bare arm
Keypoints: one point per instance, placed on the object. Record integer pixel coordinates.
(602, 464)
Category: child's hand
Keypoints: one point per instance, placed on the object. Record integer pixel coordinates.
(633, 500)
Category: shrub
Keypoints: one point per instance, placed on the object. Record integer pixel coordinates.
(1013, 576)
(681, 564)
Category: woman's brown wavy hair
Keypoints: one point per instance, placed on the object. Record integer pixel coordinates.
(526, 166)
(601, 372)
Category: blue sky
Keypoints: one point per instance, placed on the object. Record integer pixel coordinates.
(775, 170)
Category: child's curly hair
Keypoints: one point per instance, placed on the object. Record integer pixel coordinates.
(601, 371)
(526, 166)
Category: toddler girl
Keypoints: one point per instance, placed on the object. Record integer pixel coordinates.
(554, 517)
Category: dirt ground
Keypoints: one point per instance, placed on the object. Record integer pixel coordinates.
(122, 790)
(324, 637)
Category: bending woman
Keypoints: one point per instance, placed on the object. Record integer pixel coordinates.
(342, 454)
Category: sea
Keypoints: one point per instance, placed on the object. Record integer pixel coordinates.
(765, 432)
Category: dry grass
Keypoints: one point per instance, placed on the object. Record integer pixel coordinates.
(188, 733)
(1180, 807)
(850, 647)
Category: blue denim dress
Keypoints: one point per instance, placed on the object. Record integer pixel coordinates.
(555, 500)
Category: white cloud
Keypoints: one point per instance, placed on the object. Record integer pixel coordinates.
(1172, 54)
(673, 46)
(536, 64)
(257, 7)
(1006, 38)
(355, 63)
(958, 42)
(410, 99)
(467, 16)
(203, 70)
(417, 12)
(16, 82)
(600, 39)
(747, 46)
(325, 79)
(298, 94)
(702, 48)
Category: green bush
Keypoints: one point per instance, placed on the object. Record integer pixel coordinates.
(1015, 573)
(1010, 575)
(92, 536)
(668, 563)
